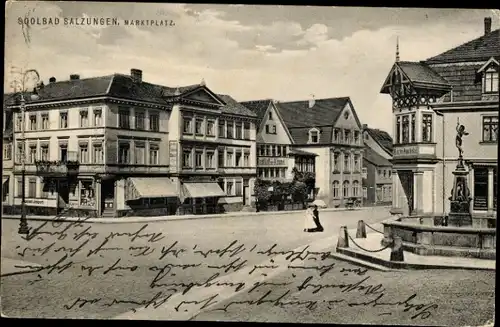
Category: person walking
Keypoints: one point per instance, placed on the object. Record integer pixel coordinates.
(309, 222)
(319, 227)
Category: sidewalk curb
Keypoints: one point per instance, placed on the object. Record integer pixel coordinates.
(128, 220)
(404, 265)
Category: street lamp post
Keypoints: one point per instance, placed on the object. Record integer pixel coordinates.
(23, 224)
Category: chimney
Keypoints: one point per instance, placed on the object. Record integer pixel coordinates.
(365, 127)
(73, 77)
(312, 101)
(52, 80)
(136, 75)
(487, 25)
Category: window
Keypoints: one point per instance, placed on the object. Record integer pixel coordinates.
(210, 128)
(19, 153)
(406, 131)
(98, 156)
(273, 151)
(154, 156)
(32, 188)
(32, 154)
(336, 163)
(221, 184)
(246, 131)
(390, 173)
(19, 122)
(154, 122)
(230, 130)
(19, 188)
(84, 118)
(246, 159)
(238, 188)
(356, 162)
(7, 151)
(427, 128)
(314, 136)
(63, 120)
(398, 130)
(336, 135)
(222, 128)
(229, 159)
(209, 160)
(198, 126)
(187, 124)
(365, 192)
(364, 172)
(44, 152)
(490, 129)
(355, 188)
(97, 117)
(347, 136)
(199, 159)
(270, 129)
(45, 121)
(229, 188)
(490, 81)
(33, 122)
(239, 134)
(385, 173)
(140, 153)
(336, 185)
(139, 120)
(220, 158)
(345, 189)
(186, 158)
(356, 137)
(84, 153)
(239, 162)
(346, 162)
(413, 128)
(270, 115)
(44, 192)
(63, 152)
(124, 118)
(123, 153)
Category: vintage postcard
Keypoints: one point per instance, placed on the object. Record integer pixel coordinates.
(250, 163)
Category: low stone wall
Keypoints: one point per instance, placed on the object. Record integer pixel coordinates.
(426, 239)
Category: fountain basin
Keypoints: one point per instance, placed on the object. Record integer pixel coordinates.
(421, 236)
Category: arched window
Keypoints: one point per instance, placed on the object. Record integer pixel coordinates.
(346, 189)
(336, 186)
(355, 188)
(314, 135)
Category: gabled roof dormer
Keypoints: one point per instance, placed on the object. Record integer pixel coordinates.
(488, 74)
(314, 135)
(202, 95)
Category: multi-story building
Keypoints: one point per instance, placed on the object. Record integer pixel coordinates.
(329, 129)
(7, 158)
(431, 99)
(377, 169)
(116, 144)
(276, 155)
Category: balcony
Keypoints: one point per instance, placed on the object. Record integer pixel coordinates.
(237, 170)
(417, 152)
(57, 168)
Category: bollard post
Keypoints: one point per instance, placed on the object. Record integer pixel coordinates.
(397, 249)
(343, 241)
(361, 231)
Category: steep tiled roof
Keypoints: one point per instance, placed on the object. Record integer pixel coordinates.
(300, 135)
(381, 137)
(324, 112)
(419, 72)
(259, 107)
(467, 85)
(375, 158)
(234, 107)
(295, 152)
(479, 49)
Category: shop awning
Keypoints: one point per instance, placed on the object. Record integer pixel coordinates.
(4, 179)
(202, 190)
(153, 187)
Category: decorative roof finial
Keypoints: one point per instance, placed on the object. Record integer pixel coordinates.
(397, 48)
(177, 91)
(202, 82)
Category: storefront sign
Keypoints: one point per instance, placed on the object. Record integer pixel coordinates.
(173, 156)
(406, 151)
(265, 161)
(38, 202)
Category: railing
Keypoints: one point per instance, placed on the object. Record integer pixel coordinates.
(56, 168)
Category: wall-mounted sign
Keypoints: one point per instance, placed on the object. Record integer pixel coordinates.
(266, 161)
(406, 151)
(38, 202)
(173, 146)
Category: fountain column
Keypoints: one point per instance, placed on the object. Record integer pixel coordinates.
(460, 199)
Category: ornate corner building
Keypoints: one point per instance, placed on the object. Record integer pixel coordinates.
(431, 99)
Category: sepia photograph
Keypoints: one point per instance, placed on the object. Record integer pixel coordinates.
(250, 163)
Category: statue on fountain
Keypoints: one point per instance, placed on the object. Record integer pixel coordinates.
(460, 194)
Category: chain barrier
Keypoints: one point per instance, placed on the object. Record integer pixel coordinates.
(373, 229)
(373, 251)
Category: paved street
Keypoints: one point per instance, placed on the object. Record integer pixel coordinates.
(106, 270)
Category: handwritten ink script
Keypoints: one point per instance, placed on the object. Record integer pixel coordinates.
(151, 269)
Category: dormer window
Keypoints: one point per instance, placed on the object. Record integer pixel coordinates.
(270, 115)
(490, 80)
(314, 136)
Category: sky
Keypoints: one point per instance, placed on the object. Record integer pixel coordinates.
(249, 52)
